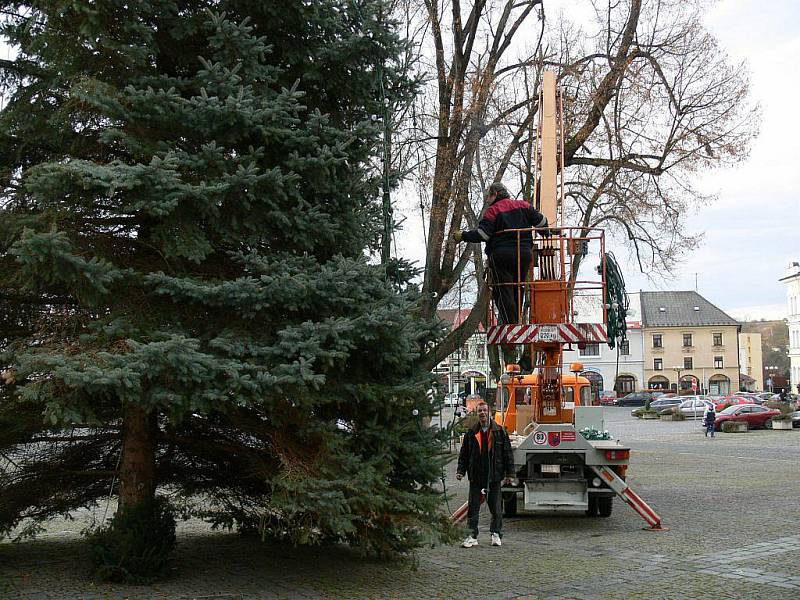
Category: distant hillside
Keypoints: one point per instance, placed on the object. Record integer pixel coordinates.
(774, 342)
(773, 333)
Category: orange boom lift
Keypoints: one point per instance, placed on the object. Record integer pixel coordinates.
(564, 459)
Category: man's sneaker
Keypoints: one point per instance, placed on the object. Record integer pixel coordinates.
(469, 542)
(496, 541)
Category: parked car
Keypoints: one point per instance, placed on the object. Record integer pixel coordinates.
(752, 396)
(635, 399)
(721, 403)
(608, 397)
(796, 418)
(792, 398)
(764, 396)
(693, 406)
(753, 414)
(663, 405)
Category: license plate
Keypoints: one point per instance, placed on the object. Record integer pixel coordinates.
(547, 333)
(551, 468)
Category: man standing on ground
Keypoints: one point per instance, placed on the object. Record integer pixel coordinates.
(486, 458)
(504, 214)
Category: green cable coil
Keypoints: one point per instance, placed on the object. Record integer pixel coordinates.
(616, 301)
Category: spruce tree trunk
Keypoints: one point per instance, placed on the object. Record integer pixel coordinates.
(138, 463)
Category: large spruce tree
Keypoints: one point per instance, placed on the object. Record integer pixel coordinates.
(186, 205)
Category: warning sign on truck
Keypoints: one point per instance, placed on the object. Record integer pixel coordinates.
(568, 436)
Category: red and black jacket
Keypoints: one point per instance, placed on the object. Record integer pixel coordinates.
(500, 455)
(502, 215)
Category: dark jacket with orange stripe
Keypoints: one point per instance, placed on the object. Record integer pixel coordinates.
(501, 457)
(502, 215)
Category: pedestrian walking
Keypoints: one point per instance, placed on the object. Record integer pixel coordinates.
(709, 417)
(487, 460)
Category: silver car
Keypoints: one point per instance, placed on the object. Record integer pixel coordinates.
(694, 406)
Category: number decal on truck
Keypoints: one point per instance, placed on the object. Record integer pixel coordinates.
(540, 438)
(547, 333)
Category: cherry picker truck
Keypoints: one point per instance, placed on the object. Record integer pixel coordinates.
(563, 458)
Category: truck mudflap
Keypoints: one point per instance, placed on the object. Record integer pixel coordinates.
(630, 497)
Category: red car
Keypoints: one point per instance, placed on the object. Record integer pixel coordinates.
(608, 398)
(753, 414)
(732, 401)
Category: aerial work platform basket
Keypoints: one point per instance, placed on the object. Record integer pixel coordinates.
(551, 295)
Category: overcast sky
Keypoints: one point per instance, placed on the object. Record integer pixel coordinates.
(752, 232)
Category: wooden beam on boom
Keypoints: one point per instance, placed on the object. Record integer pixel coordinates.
(548, 203)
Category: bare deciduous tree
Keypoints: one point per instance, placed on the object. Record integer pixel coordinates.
(650, 99)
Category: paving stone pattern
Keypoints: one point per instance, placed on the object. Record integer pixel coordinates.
(729, 504)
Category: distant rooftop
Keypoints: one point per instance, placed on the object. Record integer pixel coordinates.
(455, 316)
(681, 309)
(792, 271)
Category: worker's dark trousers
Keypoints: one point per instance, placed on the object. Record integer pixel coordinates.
(505, 270)
(495, 502)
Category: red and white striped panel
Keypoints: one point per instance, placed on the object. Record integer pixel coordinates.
(641, 507)
(545, 332)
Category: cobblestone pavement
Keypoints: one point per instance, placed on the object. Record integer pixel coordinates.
(729, 504)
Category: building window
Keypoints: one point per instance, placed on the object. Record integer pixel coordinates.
(465, 353)
(718, 362)
(657, 340)
(687, 340)
(688, 362)
(625, 348)
(480, 352)
(718, 339)
(590, 350)
(625, 385)
(658, 364)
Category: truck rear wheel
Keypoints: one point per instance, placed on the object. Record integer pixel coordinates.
(509, 504)
(605, 505)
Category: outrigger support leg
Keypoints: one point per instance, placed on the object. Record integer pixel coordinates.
(630, 497)
(461, 512)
